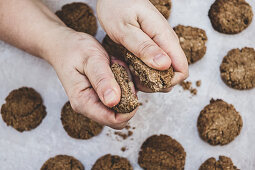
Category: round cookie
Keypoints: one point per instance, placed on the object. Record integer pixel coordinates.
(230, 16)
(63, 162)
(222, 164)
(112, 162)
(163, 6)
(78, 16)
(77, 125)
(24, 109)
(219, 123)
(193, 42)
(161, 152)
(238, 68)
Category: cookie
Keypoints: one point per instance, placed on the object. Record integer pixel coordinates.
(153, 79)
(62, 162)
(224, 163)
(219, 123)
(230, 16)
(112, 162)
(163, 6)
(78, 16)
(238, 68)
(77, 125)
(193, 42)
(24, 109)
(128, 101)
(162, 153)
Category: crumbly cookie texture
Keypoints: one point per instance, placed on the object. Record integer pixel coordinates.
(128, 101)
(219, 123)
(162, 153)
(193, 42)
(78, 16)
(62, 162)
(224, 163)
(238, 68)
(77, 125)
(112, 162)
(24, 109)
(230, 16)
(153, 79)
(164, 7)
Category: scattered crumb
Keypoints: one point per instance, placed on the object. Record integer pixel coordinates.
(133, 128)
(198, 83)
(123, 149)
(124, 135)
(193, 91)
(146, 101)
(127, 127)
(187, 85)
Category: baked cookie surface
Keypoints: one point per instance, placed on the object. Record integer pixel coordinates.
(62, 162)
(238, 68)
(77, 125)
(230, 16)
(219, 123)
(24, 109)
(163, 6)
(162, 153)
(112, 162)
(224, 163)
(78, 16)
(193, 42)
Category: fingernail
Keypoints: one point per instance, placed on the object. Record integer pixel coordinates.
(109, 96)
(161, 60)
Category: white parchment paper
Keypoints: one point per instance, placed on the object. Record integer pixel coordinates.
(174, 114)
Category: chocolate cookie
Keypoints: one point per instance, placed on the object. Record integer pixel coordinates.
(230, 16)
(164, 7)
(238, 68)
(224, 163)
(128, 101)
(219, 123)
(112, 162)
(62, 162)
(78, 16)
(24, 109)
(193, 42)
(77, 125)
(162, 153)
(153, 79)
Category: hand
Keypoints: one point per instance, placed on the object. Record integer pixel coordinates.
(139, 27)
(83, 67)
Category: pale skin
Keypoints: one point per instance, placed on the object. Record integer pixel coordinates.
(81, 63)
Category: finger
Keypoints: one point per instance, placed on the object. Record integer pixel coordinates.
(97, 69)
(141, 45)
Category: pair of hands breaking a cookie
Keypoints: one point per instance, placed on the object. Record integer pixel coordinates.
(81, 63)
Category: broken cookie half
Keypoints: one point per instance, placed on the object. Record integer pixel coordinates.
(128, 101)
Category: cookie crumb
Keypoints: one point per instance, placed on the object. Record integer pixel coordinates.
(187, 85)
(198, 83)
(123, 149)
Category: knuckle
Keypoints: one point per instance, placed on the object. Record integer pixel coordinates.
(101, 80)
(75, 104)
(144, 47)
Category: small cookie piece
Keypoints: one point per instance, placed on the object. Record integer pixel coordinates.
(224, 163)
(78, 16)
(161, 152)
(112, 162)
(164, 7)
(219, 123)
(230, 16)
(77, 125)
(62, 162)
(128, 101)
(238, 68)
(24, 109)
(193, 42)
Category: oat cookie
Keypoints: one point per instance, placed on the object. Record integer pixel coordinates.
(238, 68)
(224, 163)
(77, 125)
(193, 42)
(62, 162)
(112, 162)
(162, 153)
(164, 7)
(230, 16)
(78, 16)
(128, 101)
(219, 123)
(24, 109)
